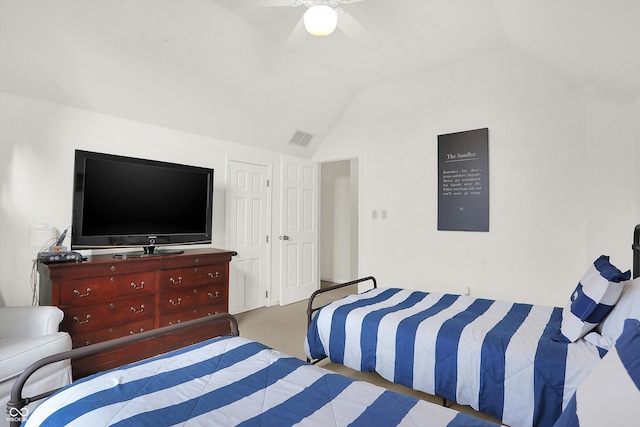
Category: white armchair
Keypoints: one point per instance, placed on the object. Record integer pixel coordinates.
(28, 334)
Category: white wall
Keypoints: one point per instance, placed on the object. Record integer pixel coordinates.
(552, 205)
(36, 167)
(611, 173)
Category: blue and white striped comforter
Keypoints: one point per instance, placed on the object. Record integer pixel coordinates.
(234, 381)
(498, 357)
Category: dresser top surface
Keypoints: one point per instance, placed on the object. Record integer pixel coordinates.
(158, 260)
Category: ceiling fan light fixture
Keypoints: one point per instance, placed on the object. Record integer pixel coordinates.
(320, 20)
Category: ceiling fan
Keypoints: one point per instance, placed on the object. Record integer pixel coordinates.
(320, 19)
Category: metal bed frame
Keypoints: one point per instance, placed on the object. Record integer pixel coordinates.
(17, 402)
(636, 251)
(311, 309)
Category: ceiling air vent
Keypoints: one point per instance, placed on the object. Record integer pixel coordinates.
(301, 139)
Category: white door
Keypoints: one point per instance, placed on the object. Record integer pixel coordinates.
(249, 212)
(298, 237)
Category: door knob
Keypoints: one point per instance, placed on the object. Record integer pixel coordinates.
(285, 237)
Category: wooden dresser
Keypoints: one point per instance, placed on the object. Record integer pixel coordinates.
(105, 298)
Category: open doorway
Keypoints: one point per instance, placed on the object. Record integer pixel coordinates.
(339, 224)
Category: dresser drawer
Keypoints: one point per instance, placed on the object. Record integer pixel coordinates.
(61, 271)
(96, 289)
(116, 331)
(185, 299)
(91, 317)
(193, 276)
(183, 316)
(147, 348)
(201, 258)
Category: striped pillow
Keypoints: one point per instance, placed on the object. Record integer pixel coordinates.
(593, 298)
(610, 394)
(627, 307)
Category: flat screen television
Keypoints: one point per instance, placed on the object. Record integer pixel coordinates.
(127, 202)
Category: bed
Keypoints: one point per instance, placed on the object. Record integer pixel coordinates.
(224, 381)
(520, 363)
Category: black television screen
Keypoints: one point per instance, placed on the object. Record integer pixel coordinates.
(129, 202)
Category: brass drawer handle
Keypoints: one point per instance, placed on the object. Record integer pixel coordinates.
(216, 295)
(80, 322)
(133, 332)
(212, 314)
(214, 275)
(177, 302)
(134, 286)
(138, 311)
(178, 321)
(86, 294)
(176, 281)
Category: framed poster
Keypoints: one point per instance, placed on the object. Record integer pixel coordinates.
(463, 180)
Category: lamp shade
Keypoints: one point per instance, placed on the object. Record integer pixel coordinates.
(320, 20)
(41, 236)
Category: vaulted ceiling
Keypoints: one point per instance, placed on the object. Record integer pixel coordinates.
(220, 68)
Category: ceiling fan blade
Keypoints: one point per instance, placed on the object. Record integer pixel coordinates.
(355, 31)
(263, 3)
(272, 3)
(297, 36)
(344, 1)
